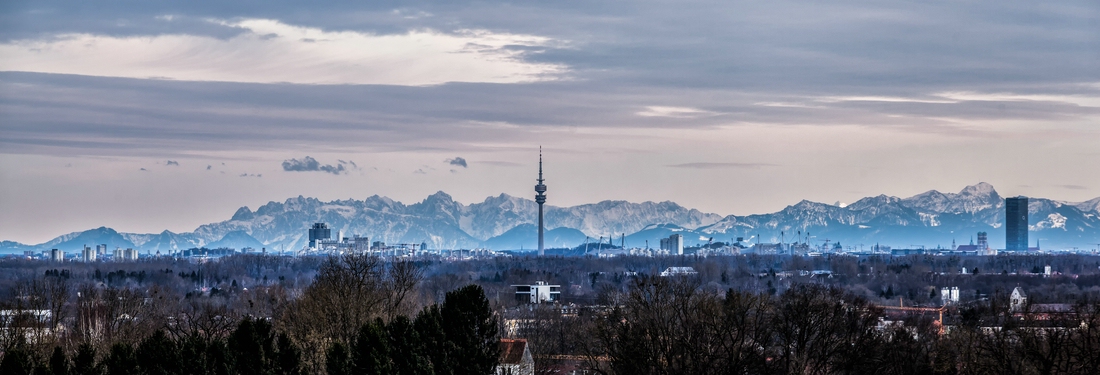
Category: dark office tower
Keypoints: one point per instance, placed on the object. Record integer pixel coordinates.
(540, 198)
(319, 231)
(1016, 224)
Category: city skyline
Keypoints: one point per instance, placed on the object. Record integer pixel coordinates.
(153, 117)
(928, 220)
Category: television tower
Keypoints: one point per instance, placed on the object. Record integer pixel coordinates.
(540, 198)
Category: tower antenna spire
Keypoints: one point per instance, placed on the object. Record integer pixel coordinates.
(540, 198)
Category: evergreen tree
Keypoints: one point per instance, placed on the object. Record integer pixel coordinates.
(406, 349)
(370, 354)
(468, 323)
(218, 359)
(252, 347)
(199, 356)
(193, 350)
(337, 361)
(59, 363)
(17, 361)
(289, 358)
(84, 362)
(429, 329)
(121, 360)
(158, 355)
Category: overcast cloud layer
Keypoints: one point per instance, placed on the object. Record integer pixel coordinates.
(723, 106)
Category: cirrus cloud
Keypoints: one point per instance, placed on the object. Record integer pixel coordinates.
(675, 112)
(704, 165)
(268, 51)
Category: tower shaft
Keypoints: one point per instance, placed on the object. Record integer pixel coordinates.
(541, 248)
(540, 198)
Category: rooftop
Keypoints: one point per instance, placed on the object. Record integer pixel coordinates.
(511, 351)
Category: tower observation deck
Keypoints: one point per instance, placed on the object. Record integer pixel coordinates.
(540, 198)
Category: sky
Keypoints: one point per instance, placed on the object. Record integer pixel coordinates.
(145, 116)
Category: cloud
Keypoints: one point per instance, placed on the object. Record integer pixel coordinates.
(309, 164)
(500, 163)
(420, 171)
(1074, 187)
(721, 165)
(457, 161)
(172, 162)
(1078, 100)
(208, 167)
(143, 169)
(249, 175)
(268, 51)
(675, 112)
(832, 99)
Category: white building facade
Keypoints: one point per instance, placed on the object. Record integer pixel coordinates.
(538, 293)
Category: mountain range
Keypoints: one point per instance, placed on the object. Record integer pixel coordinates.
(505, 222)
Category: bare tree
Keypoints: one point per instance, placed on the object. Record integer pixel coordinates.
(672, 326)
(822, 330)
(204, 318)
(348, 292)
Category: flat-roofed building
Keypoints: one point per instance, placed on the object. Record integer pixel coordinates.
(674, 244)
(679, 271)
(1016, 224)
(538, 293)
(89, 254)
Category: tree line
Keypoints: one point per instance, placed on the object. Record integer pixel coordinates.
(678, 326)
(333, 309)
(456, 337)
(354, 303)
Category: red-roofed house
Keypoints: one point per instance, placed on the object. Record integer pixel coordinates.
(515, 358)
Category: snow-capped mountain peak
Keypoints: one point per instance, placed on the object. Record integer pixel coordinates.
(969, 200)
(1092, 205)
(928, 218)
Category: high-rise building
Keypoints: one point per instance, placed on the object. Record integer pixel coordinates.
(1016, 224)
(101, 249)
(89, 254)
(319, 231)
(540, 198)
(57, 255)
(674, 244)
(983, 245)
(122, 255)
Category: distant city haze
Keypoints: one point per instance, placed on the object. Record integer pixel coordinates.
(153, 117)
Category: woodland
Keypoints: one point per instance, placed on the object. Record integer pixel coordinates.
(361, 314)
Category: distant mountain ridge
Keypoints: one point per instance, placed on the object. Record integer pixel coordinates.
(931, 218)
(506, 222)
